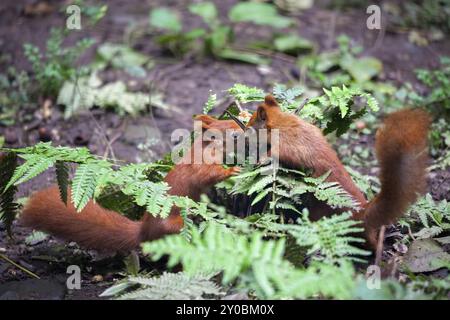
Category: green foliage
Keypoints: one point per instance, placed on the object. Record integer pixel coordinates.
(420, 14)
(217, 39)
(8, 208)
(369, 185)
(35, 237)
(168, 286)
(123, 57)
(433, 216)
(334, 111)
(210, 104)
(257, 264)
(92, 11)
(166, 19)
(292, 44)
(431, 287)
(284, 188)
(62, 177)
(258, 13)
(344, 67)
(87, 92)
(206, 10)
(333, 237)
(287, 96)
(57, 64)
(389, 290)
(245, 94)
(14, 95)
(93, 175)
(438, 83)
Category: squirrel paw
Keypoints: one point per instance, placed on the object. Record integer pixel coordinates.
(233, 171)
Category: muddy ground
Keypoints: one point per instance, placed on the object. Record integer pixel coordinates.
(185, 84)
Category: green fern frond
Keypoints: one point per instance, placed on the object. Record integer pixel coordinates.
(334, 195)
(255, 263)
(173, 286)
(62, 178)
(244, 94)
(210, 104)
(8, 208)
(334, 237)
(84, 183)
(211, 251)
(435, 216)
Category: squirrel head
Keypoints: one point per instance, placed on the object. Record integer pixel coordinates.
(229, 131)
(266, 115)
(269, 115)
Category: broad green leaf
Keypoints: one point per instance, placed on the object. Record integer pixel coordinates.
(362, 69)
(166, 19)
(292, 44)
(219, 39)
(121, 56)
(206, 10)
(247, 57)
(258, 13)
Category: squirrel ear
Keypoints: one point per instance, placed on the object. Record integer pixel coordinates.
(270, 101)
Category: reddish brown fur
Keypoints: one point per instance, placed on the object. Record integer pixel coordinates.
(97, 228)
(401, 150)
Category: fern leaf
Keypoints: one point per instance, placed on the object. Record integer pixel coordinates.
(172, 286)
(83, 185)
(62, 178)
(8, 208)
(261, 184)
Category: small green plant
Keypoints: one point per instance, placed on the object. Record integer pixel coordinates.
(93, 11)
(438, 83)
(334, 111)
(8, 208)
(257, 264)
(344, 67)
(432, 217)
(88, 92)
(433, 14)
(168, 286)
(57, 64)
(14, 95)
(285, 188)
(217, 38)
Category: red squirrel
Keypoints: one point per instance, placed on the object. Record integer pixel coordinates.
(401, 149)
(105, 230)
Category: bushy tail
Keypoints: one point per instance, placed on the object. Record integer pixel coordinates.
(401, 148)
(94, 227)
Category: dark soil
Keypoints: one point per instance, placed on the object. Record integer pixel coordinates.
(185, 84)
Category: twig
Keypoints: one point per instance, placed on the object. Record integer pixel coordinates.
(239, 122)
(380, 246)
(300, 107)
(19, 266)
